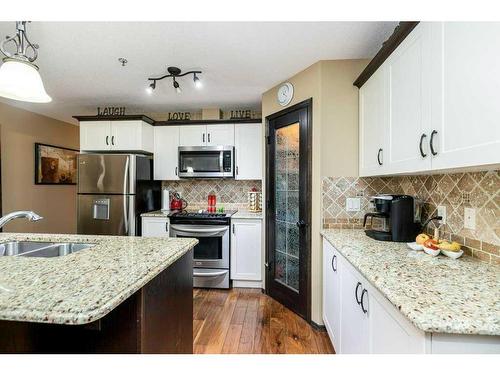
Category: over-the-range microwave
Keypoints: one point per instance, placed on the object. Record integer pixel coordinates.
(206, 161)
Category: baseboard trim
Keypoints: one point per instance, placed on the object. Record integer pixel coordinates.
(247, 284)
(318, 327)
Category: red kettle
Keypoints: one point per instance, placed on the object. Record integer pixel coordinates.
(177, 203)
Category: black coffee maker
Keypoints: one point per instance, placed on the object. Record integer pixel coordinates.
(399, 218)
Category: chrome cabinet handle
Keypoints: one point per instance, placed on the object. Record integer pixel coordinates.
(356, 293)
(422, 137)
(334, 263)
(166, 227)
(378, 156)
(208, 137)
(203, 137)
(113, 140)
(107, 139)
(233, 228)
(431, 143)
(362, 299)
(237, 170)
(176, 171)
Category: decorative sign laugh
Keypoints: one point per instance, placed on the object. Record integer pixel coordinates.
(111, 111)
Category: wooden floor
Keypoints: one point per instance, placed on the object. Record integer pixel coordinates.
(248, 321)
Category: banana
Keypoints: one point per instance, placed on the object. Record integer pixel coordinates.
(454, 246)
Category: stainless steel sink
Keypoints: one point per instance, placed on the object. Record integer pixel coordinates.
(41, 249)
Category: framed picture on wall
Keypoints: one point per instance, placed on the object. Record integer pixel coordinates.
(55, 165)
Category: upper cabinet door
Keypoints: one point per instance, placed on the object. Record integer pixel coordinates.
(408, 105)
(466, 109)
(131, 136)
(166, 155)
(220, 135)
(372, 114)
(248, 139)
(95, 135)
(193, 135)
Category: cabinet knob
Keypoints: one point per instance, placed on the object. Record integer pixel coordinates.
(358, 300)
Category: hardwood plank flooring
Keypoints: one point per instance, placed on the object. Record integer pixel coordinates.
(247, 321)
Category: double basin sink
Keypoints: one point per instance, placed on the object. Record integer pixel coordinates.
(41, 249)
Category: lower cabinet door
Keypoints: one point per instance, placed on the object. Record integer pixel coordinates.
(246, 249)
(355, 331)
(331, 294)
(155, 227)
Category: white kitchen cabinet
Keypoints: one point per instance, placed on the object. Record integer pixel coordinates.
(166, 156)
(95, 135)
(248, 141)
(246, 251)
(193, 135)
(155, 226)
(440, 86)
(134, 135)
(466, 80)
(207, 135)
(220, 135)
(355, 329)
(408, 106)
(332, 271)
(372, 129)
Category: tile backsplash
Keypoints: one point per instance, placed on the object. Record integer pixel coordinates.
(455, 191)
(230, 193)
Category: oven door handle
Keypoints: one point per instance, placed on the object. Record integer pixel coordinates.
(209, 274)
(213, 230)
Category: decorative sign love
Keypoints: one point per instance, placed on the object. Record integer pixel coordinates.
(176, 116)
(111, 111)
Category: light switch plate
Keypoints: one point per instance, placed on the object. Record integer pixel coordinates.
(353, 204)
(470, 218)
(441, 211)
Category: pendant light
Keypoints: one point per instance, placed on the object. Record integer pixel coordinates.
(19, 77)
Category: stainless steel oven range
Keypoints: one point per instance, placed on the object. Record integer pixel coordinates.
(211, 255)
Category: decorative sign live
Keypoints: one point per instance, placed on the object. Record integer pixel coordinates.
(176, 116)
(242, 114)
(111, 111)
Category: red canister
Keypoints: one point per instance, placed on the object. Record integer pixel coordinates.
(212, 202)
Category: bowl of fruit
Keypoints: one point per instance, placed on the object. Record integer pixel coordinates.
(431, 247)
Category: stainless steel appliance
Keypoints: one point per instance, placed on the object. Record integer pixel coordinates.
(400, 217)
(206, 161)
(211, 255)
(113, 191)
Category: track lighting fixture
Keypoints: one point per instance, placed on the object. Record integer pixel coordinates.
(174, 73)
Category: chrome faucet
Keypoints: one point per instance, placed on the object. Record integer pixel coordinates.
(30, 215)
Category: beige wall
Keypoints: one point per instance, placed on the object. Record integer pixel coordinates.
(20, 129)
(335, 139)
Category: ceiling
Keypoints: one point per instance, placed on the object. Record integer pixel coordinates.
(79, 61)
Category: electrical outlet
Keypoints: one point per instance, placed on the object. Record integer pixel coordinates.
(441, 211)
(470, 218)
(353, 204)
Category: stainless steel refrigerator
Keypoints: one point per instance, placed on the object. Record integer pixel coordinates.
(113, 191)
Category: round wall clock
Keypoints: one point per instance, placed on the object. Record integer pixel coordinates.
(285, 94)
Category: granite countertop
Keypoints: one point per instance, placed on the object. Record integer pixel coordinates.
(84, 286)
(240, 214)
(437, 294)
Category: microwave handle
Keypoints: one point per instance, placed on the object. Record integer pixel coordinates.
(221, 161)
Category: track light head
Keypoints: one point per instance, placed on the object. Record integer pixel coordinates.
(177, 87)
(197, 82)
(151, 88)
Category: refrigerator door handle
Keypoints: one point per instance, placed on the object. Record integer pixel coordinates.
(125, 200)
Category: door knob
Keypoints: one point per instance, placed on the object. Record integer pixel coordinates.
(301, 223)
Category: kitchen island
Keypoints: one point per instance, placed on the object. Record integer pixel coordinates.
(122, 295)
